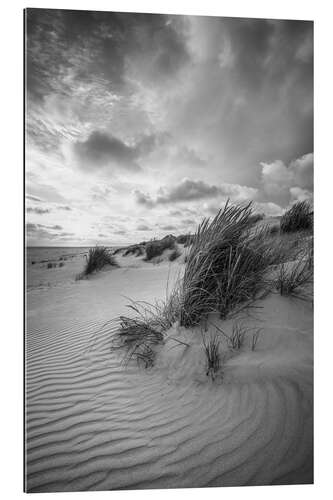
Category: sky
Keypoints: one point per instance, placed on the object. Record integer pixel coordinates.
(140, 125)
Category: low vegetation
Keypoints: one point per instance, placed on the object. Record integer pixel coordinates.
(138, 333)
(97, 258)
(136, 250)
(185, 239)
(174, 255)
(156, 248)
(226, 265)
(255, 338)
(213, 357)
(293, 276)
(237, 336)
(138, 336)
(298, 217)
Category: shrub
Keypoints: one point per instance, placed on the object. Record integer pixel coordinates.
(157, 247)
(298, 217)
(97, 258)
(61, 264)
(213, 358)
(226, 265)
(50, 265)
(174, 255)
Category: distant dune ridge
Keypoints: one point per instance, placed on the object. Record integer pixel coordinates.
(98, 420)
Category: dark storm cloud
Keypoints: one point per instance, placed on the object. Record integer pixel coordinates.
(101, 149)
(97, 45)
(187, 190)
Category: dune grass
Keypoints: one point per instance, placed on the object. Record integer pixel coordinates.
(136, 250)
(291, 278)
(298, 217)
(174, 255)
(237, 336)
(156, 248)
(255, 338)
(213, 357)
(226, 264)
(138, 336)
(185, 239)
(97, 258)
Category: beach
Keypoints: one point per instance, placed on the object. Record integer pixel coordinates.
(96, 423)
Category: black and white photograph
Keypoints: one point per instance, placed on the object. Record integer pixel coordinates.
(169, 251)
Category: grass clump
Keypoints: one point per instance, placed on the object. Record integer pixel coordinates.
(157, 247)
(294, 276)
(136, 250)
(213, 357)
(174, 255)
(97, 258)
(185, 239)
(226, 265)
(138, 336)
(139, 333)
(298, 217)
(237, 336)
(255, 338)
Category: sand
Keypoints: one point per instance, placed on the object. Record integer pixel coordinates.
(95, 424)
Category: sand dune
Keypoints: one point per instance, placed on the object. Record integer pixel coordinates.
(93, 423)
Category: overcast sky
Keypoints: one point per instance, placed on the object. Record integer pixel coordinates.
(140, 125)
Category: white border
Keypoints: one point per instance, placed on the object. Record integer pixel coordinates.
(11, 233)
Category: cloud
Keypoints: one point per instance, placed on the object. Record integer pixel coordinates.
(142, 198)
(41, 232)
(33, 198)
(39, 211)
(103, 150)
(282, 183)
(143, 227)
(193, 190)
(169, 227)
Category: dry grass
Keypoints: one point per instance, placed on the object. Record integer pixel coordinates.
(237, 336)
(298, 217)
(157, 247)
(174, 255)
(213, 358)
(255, 338)
(291, 278)
(97, 258)
(226, 265)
